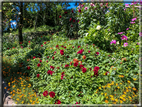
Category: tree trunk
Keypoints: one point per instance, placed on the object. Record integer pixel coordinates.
(21, 24)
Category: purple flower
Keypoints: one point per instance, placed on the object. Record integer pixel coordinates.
(124, 37)
(113, 41)
(125, 44)
(127, 29)
(134, 19)
(138, 43)
(132, 22)
(120, 32)
(140, 34)
(86, 8)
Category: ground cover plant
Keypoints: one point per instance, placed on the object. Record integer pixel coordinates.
(99, 67)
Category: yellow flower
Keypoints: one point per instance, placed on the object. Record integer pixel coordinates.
(134, 79)
(4, 87)
(116, 100)
(13, 94)
(118, 87)
(120, 83)
(106, 97)
(121, 76)
(116, 84)
(105, 94)
(124, 95)
(121, 97)
(111, 96)
(102, 93)
(127, 90)
(129, 87)
(106, 101)
(99, 87)
(13, 90)
(112, 99)
(129, 97)
(17, 99)
(134, 89)
(124, 99)
(128, 81)
(124, 92)
(121, 101)
(22, 102)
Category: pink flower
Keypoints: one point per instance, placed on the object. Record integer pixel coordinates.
(60, 16)
(124, 37)
(41, 45)
(86, 8)
(125, 44)
(62, 52)
(134, 19)
(126, 4)
(82, 5)
(78, 21)
(44, 42)
(132, 22)
(89, 51)
(92, 4)
(113, 41)
(140, 34)
(127, 29)
(79, 46)
(120, 32)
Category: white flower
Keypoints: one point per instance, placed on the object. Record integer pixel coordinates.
(86, 34)
(19, 13)
(117, 42)
(98, 27)
(10, 3)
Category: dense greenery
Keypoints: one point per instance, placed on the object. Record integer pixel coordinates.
(84, 58)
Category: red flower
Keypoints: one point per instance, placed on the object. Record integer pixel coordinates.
(84, 57)
(97, 53)
(65, 12)
(58, 67)
(41, 36)
(38, 64)
(80, 52)
(62, 46)
(81, 66)
(109, 55)
(7, 48)
(71, 25)
(89, 51)
(84, 70)
(79, 10)
(13, 47)
(46, 61)
(29, 41)
(47, 56)
(40, 60)
(60, 16)
(52, 94)
(73, 47)
(66, 65)
(28, 67)
(53, 57)
(79, 46)
(65, 47)
(70, 62)
(75, 64)
(62, 73)
(77, 103)
(20, 42)
(73, 20)
(37, 75)
(45, 93)
(90, 69)
(34, 57)
(44, 42)
(62, 77)
(21, 46)
(57, 46)
(62, 52)
(51, 67)
(72, 11)
(70, 19)
(58, 102)
(96, 68)
(50, 72)
(96, 73)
